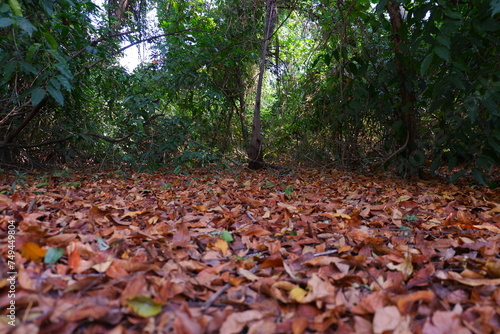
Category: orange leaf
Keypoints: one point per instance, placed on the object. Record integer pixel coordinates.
(74, 259)
(32, 251)
(222, 245)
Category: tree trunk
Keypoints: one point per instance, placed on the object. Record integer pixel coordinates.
(406, 112)
(255, 153)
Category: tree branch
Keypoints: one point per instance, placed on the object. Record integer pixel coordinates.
(106, 138)
(34, 111)
(48, 142)
(149, 39)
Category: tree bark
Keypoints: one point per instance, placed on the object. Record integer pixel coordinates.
(406, 112)
(255, 153)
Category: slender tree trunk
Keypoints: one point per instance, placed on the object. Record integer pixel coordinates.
(255, 153)
(406, 112)
(243, 107)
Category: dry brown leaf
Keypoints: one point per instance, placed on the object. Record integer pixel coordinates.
(406, 267)
(386, 319)
(444, 322)
(473, 281)
(329, 255)
(237, 321)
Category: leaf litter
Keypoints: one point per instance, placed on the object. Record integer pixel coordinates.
(245, 252)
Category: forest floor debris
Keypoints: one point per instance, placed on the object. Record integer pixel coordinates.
(247, 252)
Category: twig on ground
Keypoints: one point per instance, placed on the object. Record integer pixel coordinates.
(219, 292)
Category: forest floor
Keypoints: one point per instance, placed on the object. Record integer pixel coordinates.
(247, 252)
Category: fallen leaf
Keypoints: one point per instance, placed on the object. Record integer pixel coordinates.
(473, 281)
(444, 322)
(297, 294)
(386, 319)
(406, 267)
(237, 321)
(32, 251)
(144, 306)
(222, 245)
(53, 255)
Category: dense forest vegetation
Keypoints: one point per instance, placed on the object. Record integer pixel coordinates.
(409, 85)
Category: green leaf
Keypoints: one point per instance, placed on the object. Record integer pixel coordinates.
(452, 162)
(28, 68)
(494, 144)
(495, 7)
(71, 184)
(380, 6)
(327, 59)
(51, 40)
(16, 7)
(26, 25)
(435, 165)
(472, 109)
(226, 236)
(442, 52)
(478, 175)
(102, 244)
(144, 306)
(55, 83)
(53, 255)
(64, 69)
(457, 175)
(457, 82)
(56, 94)
(5, 22)
(37, 96)
(485, 162)
(31, 51)
(444, 40)
(64, 82)
(8, 70)
(452, 14)
(426, 63)
(489, 103)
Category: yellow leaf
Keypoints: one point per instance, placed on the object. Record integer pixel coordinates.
(406, 267)
(133, 213)
(222, 245)
(102, 267)
(493, 268)
(298, 294)
(201, 208)
(342, 215)
(153, 220)
(32, 251)
(144, 306)
(403, 198)
(247, 274)
(496, 209)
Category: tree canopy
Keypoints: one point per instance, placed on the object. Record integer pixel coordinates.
(413, 86)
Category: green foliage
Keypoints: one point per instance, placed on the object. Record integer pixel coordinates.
(339, 90)
(226, 236)
(53, 255)
(351, 110)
